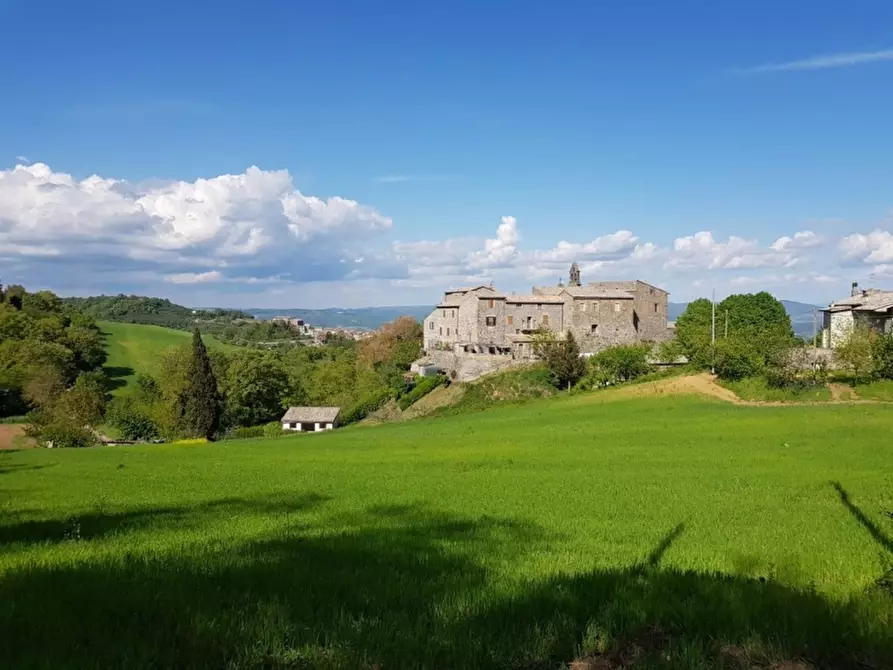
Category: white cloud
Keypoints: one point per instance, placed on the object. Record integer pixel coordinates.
(805, 239)
(703, 251)
(875, 247)
(612, 245)
(501, 251)
(823, 62)
(194, 277)
(253, 224)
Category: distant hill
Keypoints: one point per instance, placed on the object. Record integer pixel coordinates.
(800, 313)
(148, 310)
(365, 318)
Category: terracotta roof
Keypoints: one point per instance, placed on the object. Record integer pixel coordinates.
(311, 414)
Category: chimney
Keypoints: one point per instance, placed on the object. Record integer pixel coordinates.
(854, 290)
(864, 293)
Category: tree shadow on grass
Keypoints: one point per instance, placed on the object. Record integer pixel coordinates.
(408, 587)
(116, 376)
(99, 523)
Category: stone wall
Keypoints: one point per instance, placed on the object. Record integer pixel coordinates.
(612, 318)
(469, 367)
(530, 316)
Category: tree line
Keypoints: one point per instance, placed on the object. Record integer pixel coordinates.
(227, 325)
(213, 394)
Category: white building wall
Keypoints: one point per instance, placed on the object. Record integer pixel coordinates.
(841, 327)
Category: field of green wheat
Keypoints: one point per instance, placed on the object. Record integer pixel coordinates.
(655, 532)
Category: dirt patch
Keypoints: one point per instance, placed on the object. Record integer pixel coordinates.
(702, 384)
(842, 393)
(12, 436)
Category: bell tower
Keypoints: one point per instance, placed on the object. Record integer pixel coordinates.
(574, 275)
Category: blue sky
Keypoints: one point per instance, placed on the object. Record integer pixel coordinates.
(403, 147)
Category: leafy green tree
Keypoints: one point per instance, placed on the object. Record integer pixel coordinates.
(621, 363)
(882, 355)
(255, 387)
(736, 358)
(200, 399)
(562, 358)
(693, 332)
(855, 353)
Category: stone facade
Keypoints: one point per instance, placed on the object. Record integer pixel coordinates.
(481, 321)
(871, 308)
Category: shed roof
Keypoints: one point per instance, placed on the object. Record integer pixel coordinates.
(589, 291)
(311, 414)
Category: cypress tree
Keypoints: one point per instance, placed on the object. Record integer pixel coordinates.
(201, 402)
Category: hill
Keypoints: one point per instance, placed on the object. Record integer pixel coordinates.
(147, 310)
(672, 531)
(366, 318)
(135, 348)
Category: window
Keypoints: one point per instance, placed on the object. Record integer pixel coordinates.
(430, 325)
(616, 306)
(594, 329)
(443, 313)
(492, 303)
(655, 308)
(491, 320)
(448, 332)
(441, 331)
(539, 306)
(582, 306)
(545, 319)
(517, 331)
(509, 320)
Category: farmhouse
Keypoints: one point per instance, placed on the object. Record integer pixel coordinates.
(482, 320)
(311, 419)
(871, 308)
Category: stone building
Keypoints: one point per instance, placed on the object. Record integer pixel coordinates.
(479, 320)
(871, 308)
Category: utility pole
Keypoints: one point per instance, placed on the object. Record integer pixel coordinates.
(815, 334)
(727, 324)
(713, 331)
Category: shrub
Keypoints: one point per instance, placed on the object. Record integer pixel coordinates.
(366, 405)
(58, 434)
(421, 389)
(272, 429)
(882, 355)
(245, 432)
(132, 418)
(736, 359)
(620, 363)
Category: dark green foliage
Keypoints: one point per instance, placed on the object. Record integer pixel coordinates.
(200, 400)
(737, 358)
(372, 401)
(422, 388)
(255, 387)
(52, 432)
(757, 325)
(132, 418)
(882, 355)
(620, 363)
(561, 357)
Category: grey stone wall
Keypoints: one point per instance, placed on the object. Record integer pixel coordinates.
(612, 318)
(469, 367)
(530, 316)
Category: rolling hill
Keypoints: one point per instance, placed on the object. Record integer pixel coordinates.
(137, 348)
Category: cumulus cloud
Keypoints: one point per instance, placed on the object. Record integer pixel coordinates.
(703, 251)
(875, 247)
(251, 224)
(501, 251)
(805, 239)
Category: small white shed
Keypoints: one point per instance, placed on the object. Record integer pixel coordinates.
(311, 419)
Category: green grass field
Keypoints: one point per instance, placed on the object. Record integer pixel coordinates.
(136, 348)
(665, 532)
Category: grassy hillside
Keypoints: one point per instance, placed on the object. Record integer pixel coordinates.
(670, 531)
(136, 348)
